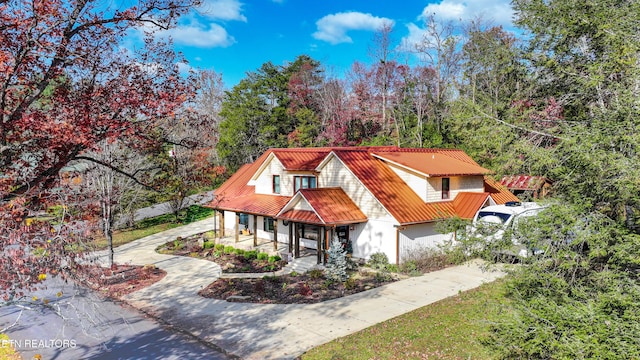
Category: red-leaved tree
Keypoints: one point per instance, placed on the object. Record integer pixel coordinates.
(67, 85)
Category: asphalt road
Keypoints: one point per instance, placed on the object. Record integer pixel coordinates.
(164, 208)
(83, 325)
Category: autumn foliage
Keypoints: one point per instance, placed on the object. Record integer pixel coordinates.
(66, 86)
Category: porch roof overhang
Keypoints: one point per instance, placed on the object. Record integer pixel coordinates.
(322, 206)
(257, 204)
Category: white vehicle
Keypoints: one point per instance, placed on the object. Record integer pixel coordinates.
(492, 222)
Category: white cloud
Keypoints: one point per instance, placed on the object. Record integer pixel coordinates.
(415, 36)
(198, 35)
(496, 11)
(333, 28)
(222, 9)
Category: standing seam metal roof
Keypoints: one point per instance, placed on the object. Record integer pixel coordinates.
(383, 183)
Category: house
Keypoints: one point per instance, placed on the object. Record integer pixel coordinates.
(374, 199)
(527, 186)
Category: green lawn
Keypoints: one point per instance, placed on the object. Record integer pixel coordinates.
(154, 225)
(449, 329)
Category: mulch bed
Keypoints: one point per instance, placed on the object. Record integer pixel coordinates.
(230, 263)
(292, 289)
(119, 280)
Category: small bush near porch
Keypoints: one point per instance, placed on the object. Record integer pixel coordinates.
(230, 259)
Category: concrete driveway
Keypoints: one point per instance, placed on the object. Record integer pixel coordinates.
(258, 331)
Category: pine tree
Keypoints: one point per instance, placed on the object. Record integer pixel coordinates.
(337, 266)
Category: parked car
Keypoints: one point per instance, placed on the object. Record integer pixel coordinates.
(493, 222)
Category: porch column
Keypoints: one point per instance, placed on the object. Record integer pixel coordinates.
(255, 230)
(319, 247)
(297, 241)
(222, 223)
(275, 234)
(291, 225)
(237, 226)
(325, 246)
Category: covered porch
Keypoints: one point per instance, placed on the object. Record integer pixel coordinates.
(317, 216)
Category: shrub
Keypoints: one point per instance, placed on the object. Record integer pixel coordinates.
(293, 273)
(263, 256)
(274, 258)
(315, 273)
(350, 284)
(219, 247)
(352, 265)
(336, 269)
(239, 251)
(305, 290)
(251, 254)
(410, 268)
(207, 245)
(425, 260)
(383, 276)
(392, 268)
(379, 261)
(229, 249)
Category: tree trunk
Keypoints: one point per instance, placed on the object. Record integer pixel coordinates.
(109, 236)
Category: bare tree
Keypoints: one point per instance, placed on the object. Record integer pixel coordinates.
(381, 52)
(111, 188)
(439, 50)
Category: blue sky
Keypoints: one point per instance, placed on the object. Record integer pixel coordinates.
(234, 37)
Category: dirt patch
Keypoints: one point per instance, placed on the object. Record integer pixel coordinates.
(231, 260)
(293, 289)
(119, 280)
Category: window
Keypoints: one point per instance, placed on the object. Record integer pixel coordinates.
(445, 188)
(310, 232)
(304, 182)
(276, 184)
(268, 224)
(244, 219)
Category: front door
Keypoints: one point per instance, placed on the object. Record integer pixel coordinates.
(343, 236)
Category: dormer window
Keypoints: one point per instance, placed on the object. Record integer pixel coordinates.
(276, 184)
(445, 188)
(304, 182)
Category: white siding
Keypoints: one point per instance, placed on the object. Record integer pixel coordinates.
(264, 182)
(372, 237)
(456, 184)
(466, 184)
(302, 205)
(335, 174)
(421, 236)
(230, 222)
(417, 183)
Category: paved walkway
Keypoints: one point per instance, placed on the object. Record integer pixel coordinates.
(258, 331)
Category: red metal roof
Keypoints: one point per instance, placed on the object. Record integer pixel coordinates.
(498, 193)
(259, 204)
(302, 216)
(333, 206)
(466, 204)
(434, 163)
(522, 182)
(236, 195)
(303, 159)
(402, 202)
